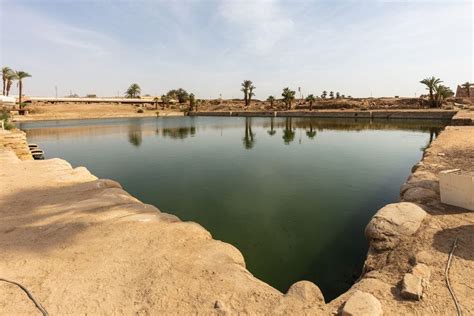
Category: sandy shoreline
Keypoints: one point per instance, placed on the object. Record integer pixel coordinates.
(84, 245)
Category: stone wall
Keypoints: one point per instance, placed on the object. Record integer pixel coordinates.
(436, 115)
(461, 92)
(16, 140)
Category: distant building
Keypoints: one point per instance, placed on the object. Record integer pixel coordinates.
(461, 92)
(4, 100)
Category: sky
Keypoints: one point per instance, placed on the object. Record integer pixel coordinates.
(359, 48)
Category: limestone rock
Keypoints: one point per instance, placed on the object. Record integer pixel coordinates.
(361, 303)
(422, 271)
(392, 222)
(423, 257)
(411, 287)
(306, 291)
(417, 166)
(220, 308)
(419, 194)
(425, 184)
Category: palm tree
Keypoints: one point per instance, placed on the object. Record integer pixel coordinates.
(338, 95)
(271, 99)
(324, 95)
(310, 98)
(199, 101)
(165, 99)
(431, 84)
(331, 95)
(133, 91)
(20, 75)
(288, 96)
(178, 94)
(251, 94)
(467, 85)
(191, 102)
(442, 92)
(247, 89)
(6, 71)
(10, 77)
(156, 100)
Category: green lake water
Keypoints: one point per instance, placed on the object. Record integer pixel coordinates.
(292, 194)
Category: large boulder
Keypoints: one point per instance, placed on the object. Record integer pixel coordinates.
(306, 291)
(361, 303)
(393, 222)
(419, 194)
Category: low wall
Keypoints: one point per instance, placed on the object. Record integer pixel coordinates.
(436, 115)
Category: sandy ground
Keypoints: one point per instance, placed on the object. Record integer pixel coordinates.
(83, 245)
(71, 110)
(66, 111)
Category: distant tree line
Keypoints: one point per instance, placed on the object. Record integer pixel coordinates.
(437, 93)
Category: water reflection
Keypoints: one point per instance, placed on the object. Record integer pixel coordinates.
(434, 132)
(288, 132)
(135, 129)
(272, 131)
(249, 137)
(135, 136)
(178, 132)
(311, 133)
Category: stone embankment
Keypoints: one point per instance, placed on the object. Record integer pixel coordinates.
(84, 245)
(463, 118)
(379, 114)
(16, 141)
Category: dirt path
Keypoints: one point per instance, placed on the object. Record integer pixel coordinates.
(84, 245)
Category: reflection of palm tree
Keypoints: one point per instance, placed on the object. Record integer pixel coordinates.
(272, 131)
(249, 138)
(288, 133)
(178, 132)
(434, 132)
(135, 135)
(310, 133)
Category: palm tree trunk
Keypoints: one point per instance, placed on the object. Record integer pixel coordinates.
(9, 84)
(20, 88)
(432, 98)
(4, 86)
(311, 105)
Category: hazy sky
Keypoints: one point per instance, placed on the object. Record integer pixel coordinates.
(208, 47)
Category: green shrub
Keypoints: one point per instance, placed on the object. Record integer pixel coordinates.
(140, 110)
(6, 121)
